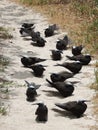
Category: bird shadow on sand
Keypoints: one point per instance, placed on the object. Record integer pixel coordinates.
(36, 76)
(51, 93)
(65, 114)
(27, 38)
(21, 75)
(40, 121)
(36, 45)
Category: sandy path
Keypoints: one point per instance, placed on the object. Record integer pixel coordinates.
(21, 114)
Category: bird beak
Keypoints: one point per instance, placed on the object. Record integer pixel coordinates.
(55, 65)
(87, 100)
(51, 50)
(45, 66)
(35, 104)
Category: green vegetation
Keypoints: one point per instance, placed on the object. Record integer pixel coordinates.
(3, 110)
(3, 63)
(83, 13)
(4, 34)
(4, 94)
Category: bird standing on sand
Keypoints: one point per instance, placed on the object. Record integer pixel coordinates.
(77, 108)
(31, 91)
(41, 112)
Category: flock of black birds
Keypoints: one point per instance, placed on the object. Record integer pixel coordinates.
(58, 80)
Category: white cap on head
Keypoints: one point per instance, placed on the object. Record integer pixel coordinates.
(78, 61)
(88, 54)
(31, 86)
(74, 47)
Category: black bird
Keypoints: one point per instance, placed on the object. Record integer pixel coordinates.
(27, 25)
(38, 69)
(26, 31)
(28, 61)
(56, 54)
(74, 67)
(77, 108)
(62, 43)
(35, 35)
(40, 42)
(84, 59)
(61, 77)
(41, 112)
(76, 50)
(31, 91)
(65, 89)
(50, 30)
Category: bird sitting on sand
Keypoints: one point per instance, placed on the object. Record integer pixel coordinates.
(74, 67)
(40, 42)
(65, 89)
(35, 35)
(61, 76)
(38, 69)
(76, 50)
(50, 30)
(31, 92)
(77, 108)
(28, 61)
(41, 112)
(26, 31)
(56, 54)
(84, 59)
(27, 25)
(62, 43)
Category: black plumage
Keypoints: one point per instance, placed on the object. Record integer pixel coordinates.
(62, 43)
(84, 59)
(56, 54)
(31, 92)
(61, 76)
(77, 108)
(27, 25)
(35, 35)
(40, 42)
(65, 89)
(74, 67)
(50, 30)
(76, 50)
(38, 69)
(28, 61)
(41, 112)
(26, 31)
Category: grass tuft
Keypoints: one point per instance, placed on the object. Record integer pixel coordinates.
(4, 34)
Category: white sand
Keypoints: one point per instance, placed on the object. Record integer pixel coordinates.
(21, 114)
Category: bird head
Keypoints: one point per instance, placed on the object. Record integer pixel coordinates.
(83, 101)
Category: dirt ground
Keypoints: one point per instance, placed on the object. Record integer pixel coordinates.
(21, 114)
